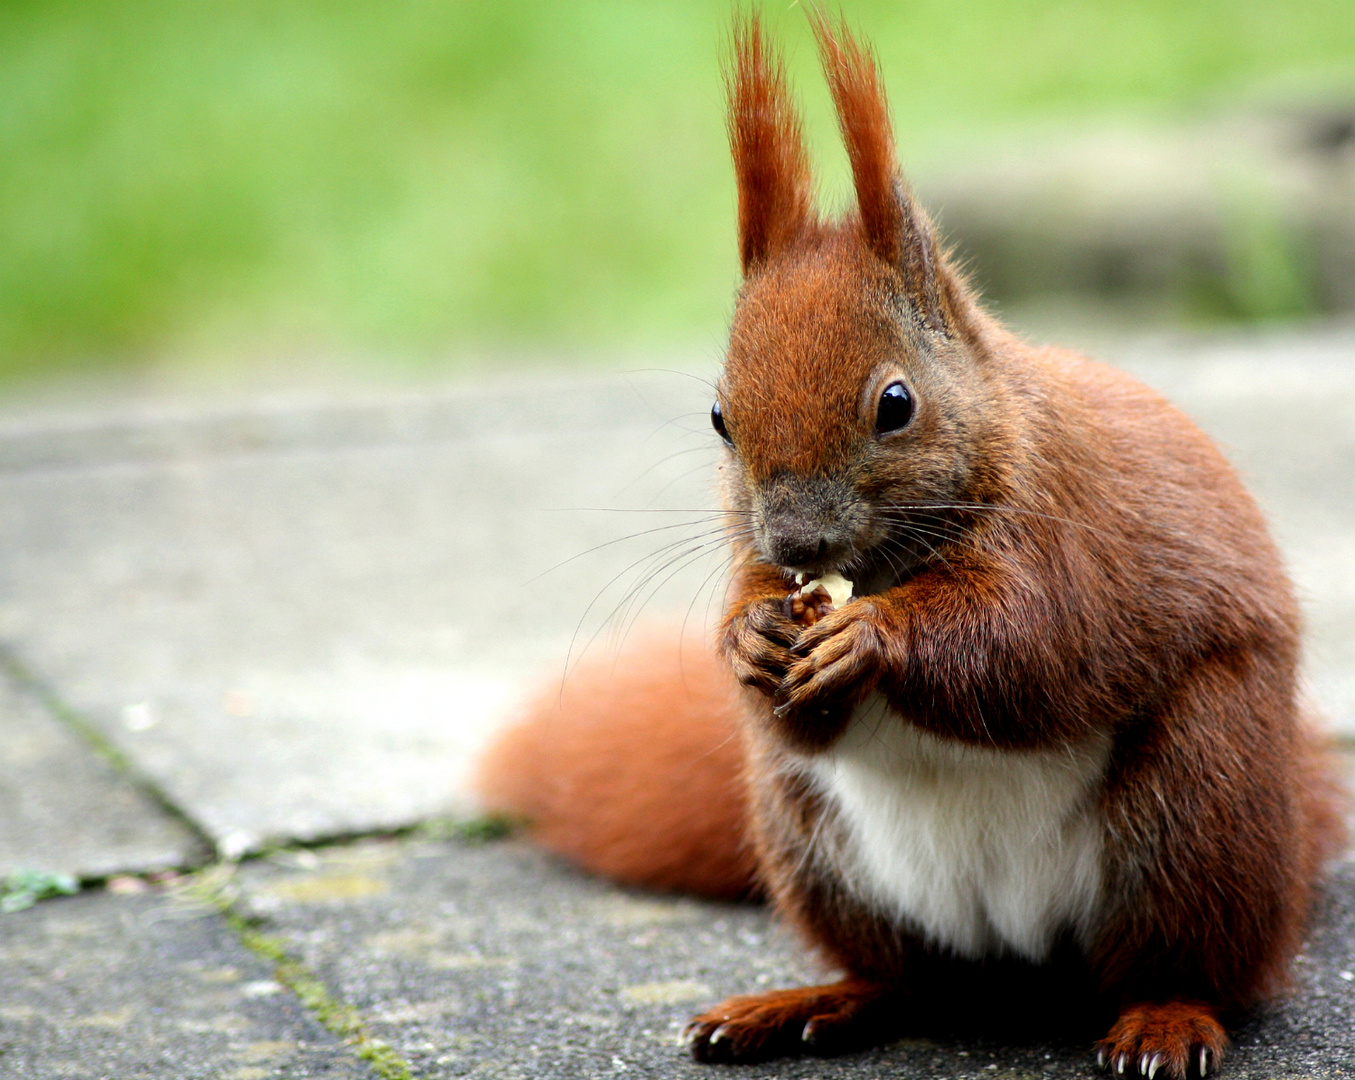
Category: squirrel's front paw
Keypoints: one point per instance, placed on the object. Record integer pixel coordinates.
(756, 644)
(838, 658)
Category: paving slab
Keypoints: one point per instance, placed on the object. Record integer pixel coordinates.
(109, 987)
(301, 620)
(66, 810)
(497, 961)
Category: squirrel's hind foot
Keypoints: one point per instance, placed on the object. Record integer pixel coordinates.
(820, 1020)
(1174, 1038)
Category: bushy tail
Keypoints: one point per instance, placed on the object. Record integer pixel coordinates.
(635, 770)
(1327, 802)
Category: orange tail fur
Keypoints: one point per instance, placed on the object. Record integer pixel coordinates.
(634, 771)
(1327, 804)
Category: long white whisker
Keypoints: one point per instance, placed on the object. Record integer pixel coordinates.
(573, 641)
(629, 536)
(635, 602)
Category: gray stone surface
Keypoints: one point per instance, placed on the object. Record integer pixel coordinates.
(105, 987)
(300, 620)
(496, 961)
(67, 810)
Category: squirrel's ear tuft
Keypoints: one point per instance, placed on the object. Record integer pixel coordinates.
(770, 161)
(893, 226)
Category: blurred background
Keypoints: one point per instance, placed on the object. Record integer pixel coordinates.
(320, 186)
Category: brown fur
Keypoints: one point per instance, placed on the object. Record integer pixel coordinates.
(891, 226)
(580, 768)
(1048, 553)
(769, 154)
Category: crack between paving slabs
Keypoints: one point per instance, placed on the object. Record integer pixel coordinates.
(34, 687)
(211, 886)
(214, 888)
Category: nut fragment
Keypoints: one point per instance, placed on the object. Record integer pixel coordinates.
(815, 599)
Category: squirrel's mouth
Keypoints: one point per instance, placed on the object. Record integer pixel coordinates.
(798, 573)
(868, 576)
(874, 564)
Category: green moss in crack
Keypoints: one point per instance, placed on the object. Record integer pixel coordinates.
(215, 887)
(482, 830)
(24, 888)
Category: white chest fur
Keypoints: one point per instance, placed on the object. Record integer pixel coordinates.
(983, 851)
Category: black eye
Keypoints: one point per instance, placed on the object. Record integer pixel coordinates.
(895, 410)
(717, 421)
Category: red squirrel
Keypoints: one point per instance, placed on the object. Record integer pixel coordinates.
(1056, 725)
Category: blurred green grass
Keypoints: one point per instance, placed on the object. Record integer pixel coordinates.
(423, 181)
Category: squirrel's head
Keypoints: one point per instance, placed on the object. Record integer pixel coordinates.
(853, 391)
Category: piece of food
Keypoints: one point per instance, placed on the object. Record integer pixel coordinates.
(838, 587)
(816, 598)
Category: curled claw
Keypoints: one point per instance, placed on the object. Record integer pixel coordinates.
(1119, 1064)
(1154, 1063)
(1101, 1058)
(1204, 1060)
(811, 639)
(695, 1027)
(805, 644)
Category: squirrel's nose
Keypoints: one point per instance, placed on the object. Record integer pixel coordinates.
(799, 543)
(797, 550)
(806, 522)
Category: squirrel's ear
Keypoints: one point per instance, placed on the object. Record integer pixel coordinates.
(893, 226)
(769, 153)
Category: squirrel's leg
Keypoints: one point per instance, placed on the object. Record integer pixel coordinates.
(1207, 853)
(1173, 1037)
(821, 1020)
